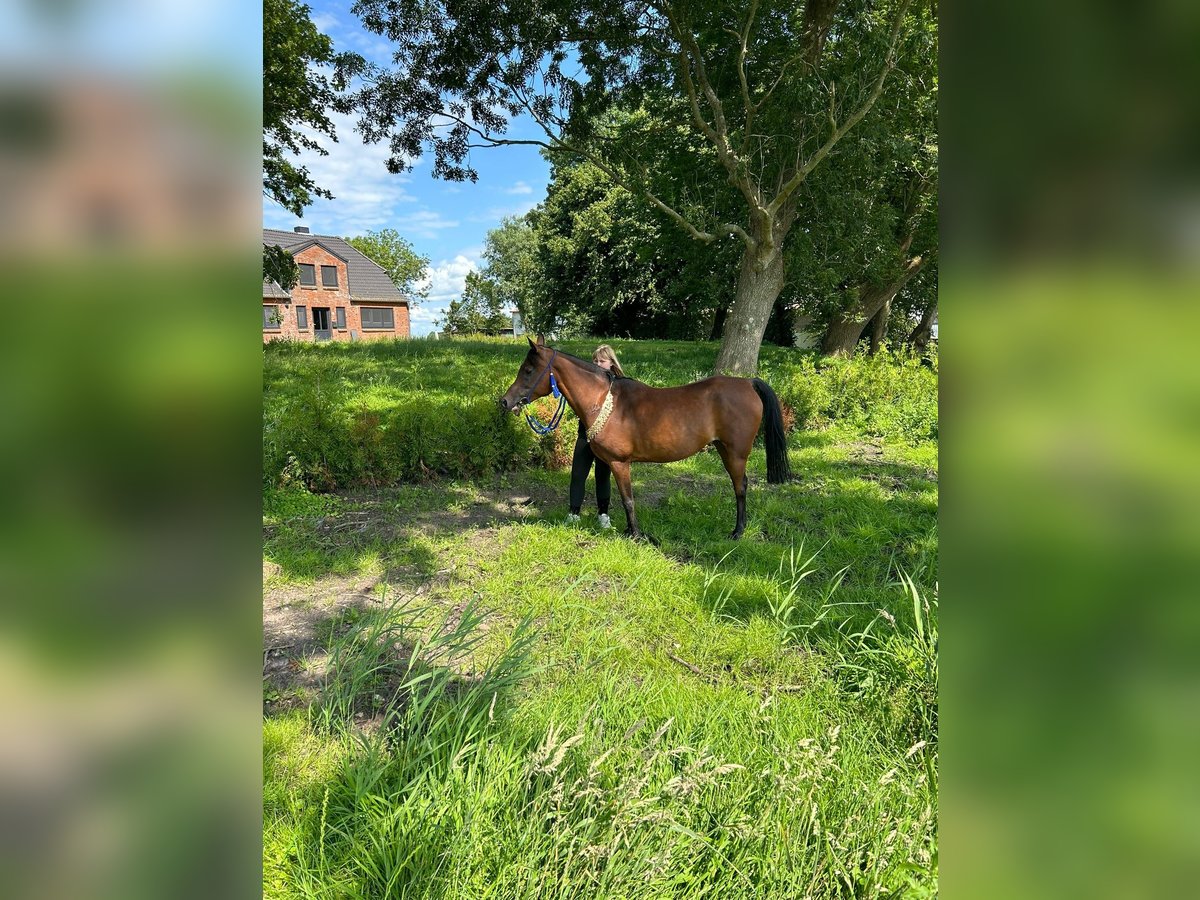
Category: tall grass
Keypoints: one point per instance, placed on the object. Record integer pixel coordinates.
(707, 719)
(441, 793)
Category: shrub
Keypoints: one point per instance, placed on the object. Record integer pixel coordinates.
(889, 395)
(387, 412)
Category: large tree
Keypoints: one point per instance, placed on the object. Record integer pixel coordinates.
(509, 278)
(480, 310)
(767, 88)
(896, 157)
(611, 265)
(405, 267)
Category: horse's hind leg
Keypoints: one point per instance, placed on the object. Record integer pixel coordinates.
(735, 465)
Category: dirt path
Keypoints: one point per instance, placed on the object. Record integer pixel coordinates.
(300, 619)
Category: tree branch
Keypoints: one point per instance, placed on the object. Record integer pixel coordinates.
(689, 54)
(747, 103)
(558, 145)
(840, 131)
(778, 78)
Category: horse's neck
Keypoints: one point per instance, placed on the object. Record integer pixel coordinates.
(584, 390)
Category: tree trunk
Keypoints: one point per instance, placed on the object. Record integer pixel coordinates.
(717, 323)
(920, 335)
(759, 285)
(847, 327)
(818, 18)
(877, 327)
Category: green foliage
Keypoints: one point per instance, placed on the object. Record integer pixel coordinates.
(296, 99)
(712, 114)
(404, 266)
(384, 412)
(278, 266)
(480, 310)
(510, 279)
(608, 265)
(509, 266)
(890, 395)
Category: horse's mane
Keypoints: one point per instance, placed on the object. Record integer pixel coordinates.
(587, 364)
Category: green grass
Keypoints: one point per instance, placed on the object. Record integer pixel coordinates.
(349, 415)
(536, 710)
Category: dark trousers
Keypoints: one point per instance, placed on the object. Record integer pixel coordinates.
(581, 464)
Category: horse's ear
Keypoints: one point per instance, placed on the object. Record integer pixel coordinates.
(541, 340)
(528, 338)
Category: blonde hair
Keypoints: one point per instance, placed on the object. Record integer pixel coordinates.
(605, 352)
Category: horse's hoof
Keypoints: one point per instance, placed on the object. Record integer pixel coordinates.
(736, 534)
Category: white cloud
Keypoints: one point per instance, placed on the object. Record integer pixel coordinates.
(446, 282)
(326, 22)
(422, 223)
(366, 194)
(519, 188)
(448, 278)
(373, 47)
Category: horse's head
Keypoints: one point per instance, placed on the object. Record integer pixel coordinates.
(533, 379)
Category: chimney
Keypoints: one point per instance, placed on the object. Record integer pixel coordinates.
(301, 229)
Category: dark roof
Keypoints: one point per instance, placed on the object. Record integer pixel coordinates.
(366, 279)
(272, 291)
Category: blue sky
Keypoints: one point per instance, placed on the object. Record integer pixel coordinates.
(445, 221)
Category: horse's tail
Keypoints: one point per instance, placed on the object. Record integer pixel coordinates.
(778, 468)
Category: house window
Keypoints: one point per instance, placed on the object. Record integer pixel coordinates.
(329, 276)
(302, 318)
(308, 275)
(271, 318)
(340, 318)
(377, 319)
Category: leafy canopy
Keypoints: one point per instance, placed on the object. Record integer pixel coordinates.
(480, 310)
(302, 80)
(405, 267)
(740, 78)
(296, 97)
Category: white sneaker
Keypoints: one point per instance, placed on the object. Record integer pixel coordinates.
(605, 521)
(572, 518)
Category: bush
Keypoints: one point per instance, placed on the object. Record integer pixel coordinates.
(380, 413)
(889, 395)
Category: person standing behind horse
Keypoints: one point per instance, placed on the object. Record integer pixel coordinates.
(582, 461)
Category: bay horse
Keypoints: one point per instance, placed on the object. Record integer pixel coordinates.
(629, 422)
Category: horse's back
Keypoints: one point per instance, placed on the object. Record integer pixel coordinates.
(674, 423)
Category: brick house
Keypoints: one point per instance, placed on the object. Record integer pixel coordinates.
(342, 295)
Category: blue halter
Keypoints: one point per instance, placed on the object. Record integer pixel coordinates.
(546, 428)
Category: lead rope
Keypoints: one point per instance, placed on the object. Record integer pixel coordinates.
(544, 429)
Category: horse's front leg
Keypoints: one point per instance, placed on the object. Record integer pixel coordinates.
(622, 472)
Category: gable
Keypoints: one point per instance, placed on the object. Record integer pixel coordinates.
(366, 279)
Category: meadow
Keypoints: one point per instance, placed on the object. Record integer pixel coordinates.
(466, 697)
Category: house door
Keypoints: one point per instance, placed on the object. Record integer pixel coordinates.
(321, 330)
